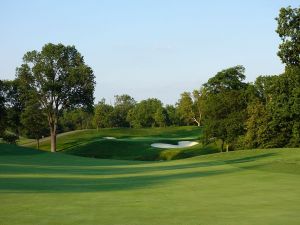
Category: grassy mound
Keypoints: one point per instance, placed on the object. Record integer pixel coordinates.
(130, 144)
(245, 187)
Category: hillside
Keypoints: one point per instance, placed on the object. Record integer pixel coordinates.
(129, 144)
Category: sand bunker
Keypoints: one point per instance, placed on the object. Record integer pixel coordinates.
(109, 138)
(181, 144)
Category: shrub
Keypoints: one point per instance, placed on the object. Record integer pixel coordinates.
(10, 138)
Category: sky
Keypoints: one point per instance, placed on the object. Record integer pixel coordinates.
(147, 48)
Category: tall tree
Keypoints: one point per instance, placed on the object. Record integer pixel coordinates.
(185, 109)
(143, 114)
(15, 104)
(225, 106)
(60, 79)
(289, 31)
(2, 109)
(123, 104)
(198, 102)
(172, 116)
(161, 117)
(103, 112)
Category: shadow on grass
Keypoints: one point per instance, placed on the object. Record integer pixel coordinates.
(66, 185)
(14, 150)
(249, 158)
(56, 177)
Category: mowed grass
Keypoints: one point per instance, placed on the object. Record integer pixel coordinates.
(244, 188)
(130, 144)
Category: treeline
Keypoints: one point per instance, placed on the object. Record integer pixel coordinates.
(20, 117)
(263, 114)
(126, 112)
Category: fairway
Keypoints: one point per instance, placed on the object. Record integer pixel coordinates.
(243, 187)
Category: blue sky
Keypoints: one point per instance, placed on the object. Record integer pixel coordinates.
(150, 48)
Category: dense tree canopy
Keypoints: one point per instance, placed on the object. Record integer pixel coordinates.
(145, 113)
(2, 109)
(123, 104)
(102, 114)
(60, 79)
(185, 109)
(225, 105)
(34, 121)
(289, 31)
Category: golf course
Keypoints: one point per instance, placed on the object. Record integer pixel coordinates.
(150, 112)
(239, 187)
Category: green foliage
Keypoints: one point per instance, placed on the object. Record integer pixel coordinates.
(289, 31)
(15, 104)
(172, 116)
(123, 104)
(273, 114)
(34, 121)
(10, 138)
(75, 119)
(161, 117)
(225, 106)
(102, 114)
(2, 109)
(59, 78)
(143, 114)
(226, 80)
(185, 109)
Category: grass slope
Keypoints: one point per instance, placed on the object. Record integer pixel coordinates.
(246, 187)
(131, 144)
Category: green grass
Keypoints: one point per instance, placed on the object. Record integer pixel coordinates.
(258, 187)
(131, 144)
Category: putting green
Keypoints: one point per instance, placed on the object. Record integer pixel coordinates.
(244, 187)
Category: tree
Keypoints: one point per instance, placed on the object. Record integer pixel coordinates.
(198, 101)
(225, 106)
(123, 104)
(172, 116)
(2, 109)
(102, 117)
(185, 109)
(75, 119)
(289, 31)
(160, 117)
(15, 104)
(143, 114)
(60, 79)
(34, 121)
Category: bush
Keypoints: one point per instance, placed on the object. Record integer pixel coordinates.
(10, 138)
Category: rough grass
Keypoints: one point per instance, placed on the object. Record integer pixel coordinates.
(243, 188)
(131, 144)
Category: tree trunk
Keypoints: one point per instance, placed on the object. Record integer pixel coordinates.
(227, 147)
(38, 143)
(53, 137)
(222, 146)
(198, 122)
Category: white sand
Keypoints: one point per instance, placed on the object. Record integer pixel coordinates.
(109, 138)
(181, 144)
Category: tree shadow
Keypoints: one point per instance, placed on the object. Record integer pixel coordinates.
(68, 184)
(249, 158)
